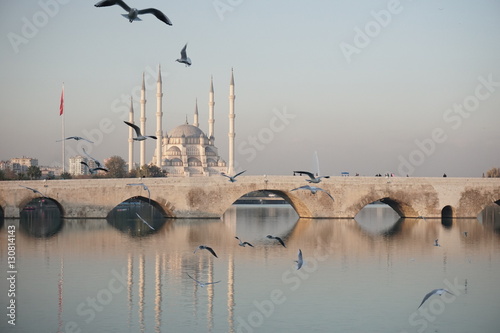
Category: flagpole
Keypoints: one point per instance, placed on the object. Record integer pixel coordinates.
(61, 113)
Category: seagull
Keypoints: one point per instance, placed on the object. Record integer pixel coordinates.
(202, 284)
(134, 12)
(312, 179)
(143, 220)
(436, 243)
(184, 59)
(313, 190)
(203, 247)
(139, 137)
(465, 233)
(243, 243)
(93, 170)
(34, 191)
(435, 291)
(144, 187)
(77, 138)
(277, 238)
(99, 165)
(299, 260)
(232, 179)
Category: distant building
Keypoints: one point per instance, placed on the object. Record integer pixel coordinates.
(76, 168)
(21, 164)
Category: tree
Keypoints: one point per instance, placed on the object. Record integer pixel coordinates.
(116, 167)
(493, 173)
(66, 175)
(147, 171)
(34, 172)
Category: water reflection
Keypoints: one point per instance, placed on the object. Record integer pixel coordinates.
(41, 217)
(124, 218)
(378, 272)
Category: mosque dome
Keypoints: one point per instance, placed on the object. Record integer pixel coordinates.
(187, 131)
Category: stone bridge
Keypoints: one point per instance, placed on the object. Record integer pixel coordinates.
(210, 197)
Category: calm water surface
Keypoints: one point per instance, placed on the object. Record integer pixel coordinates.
(368, 274)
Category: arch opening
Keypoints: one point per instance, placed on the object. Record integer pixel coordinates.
(447, 216)
(272, 197)
(137, 216)
(41, 218)
(378, 217)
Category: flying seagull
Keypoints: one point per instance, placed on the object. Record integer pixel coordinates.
(209, 249)
(144, 187)
(299, 260)
(134, 12)
(139, 137)
(202, 284)
(243, 243)
(435, 291)
(313, 190)
(277, 238)
(232, 179)
(77, 138)
(312, 179)
(145, 222)
(184, 59)
(93, 170)
(99, 165)
(436, 243)
(34, 191)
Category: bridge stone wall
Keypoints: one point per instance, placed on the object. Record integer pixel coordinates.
(210, 197)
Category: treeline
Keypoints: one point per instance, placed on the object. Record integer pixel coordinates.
(493, 173)
(115, 164)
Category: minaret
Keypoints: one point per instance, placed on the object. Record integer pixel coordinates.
(231, 133)
(211, 119)
(131, 137)
(195, 122)
(159, 116)
(143, 122)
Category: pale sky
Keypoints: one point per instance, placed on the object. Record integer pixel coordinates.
(407, 87)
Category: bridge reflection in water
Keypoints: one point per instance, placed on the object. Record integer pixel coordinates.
(137, 280)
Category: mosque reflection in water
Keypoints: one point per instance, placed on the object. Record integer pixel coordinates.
(155, 256)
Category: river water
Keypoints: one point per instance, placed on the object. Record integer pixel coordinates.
(367, 274)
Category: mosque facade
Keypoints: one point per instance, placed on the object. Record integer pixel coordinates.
(185, 151)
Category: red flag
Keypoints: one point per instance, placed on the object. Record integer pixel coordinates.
(61, 107)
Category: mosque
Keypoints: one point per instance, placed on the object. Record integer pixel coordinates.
(186, 151)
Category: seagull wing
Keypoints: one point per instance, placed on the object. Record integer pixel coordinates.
(239, 173)
(159, 15)
(107, 3)
(152, 137)
(320, 189)
(85, 163)
(143, 220)
(184, 53)
(101, 168)
(192, 278)
(211, 251)
(280, 240)
(223, 174)
(247, 243)
(306, 173)
(212, 282)
(305, 187)
(427, 296)
(299, 259)
(135, 127)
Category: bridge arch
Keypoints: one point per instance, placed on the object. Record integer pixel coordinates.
(447, 212)
(400, 207)
(164, 210)
(23, 203)
(298, 205)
